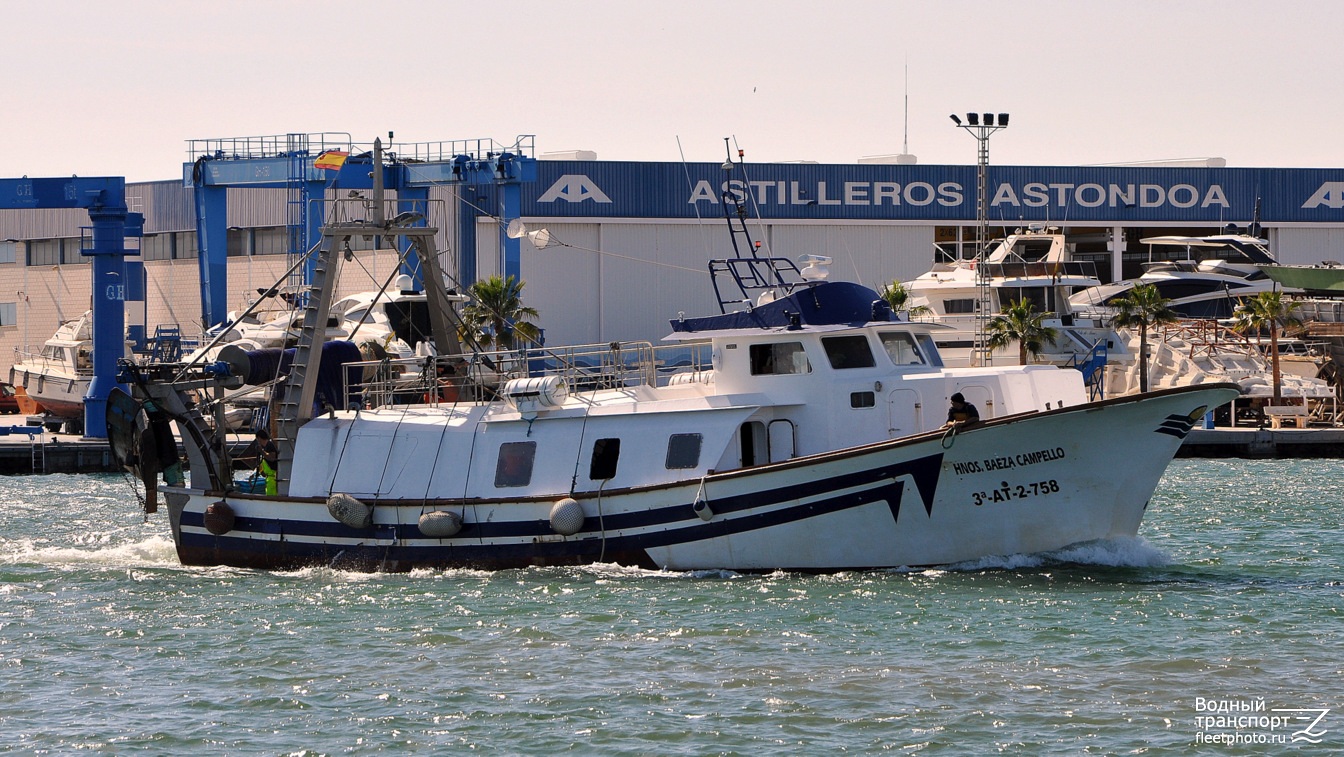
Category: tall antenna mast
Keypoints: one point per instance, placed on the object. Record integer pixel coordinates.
(905, 143)
(905, 158)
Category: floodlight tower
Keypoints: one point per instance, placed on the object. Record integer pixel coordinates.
(981, 126)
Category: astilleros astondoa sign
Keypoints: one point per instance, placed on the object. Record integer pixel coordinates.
(609, 189)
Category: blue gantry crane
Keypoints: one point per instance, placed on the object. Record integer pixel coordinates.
(114, 281)
(489, 176)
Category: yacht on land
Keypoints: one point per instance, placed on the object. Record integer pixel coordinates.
(1035, 264)
(58, 377)
(1217, 273)
(393, 318)
(810, 438)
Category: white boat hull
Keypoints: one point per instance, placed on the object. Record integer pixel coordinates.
(1011, 485)
(60, 396)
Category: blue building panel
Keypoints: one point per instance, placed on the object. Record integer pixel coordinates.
(924, 193)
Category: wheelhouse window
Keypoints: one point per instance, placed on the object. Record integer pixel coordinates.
(683, 451)
(778, 358)
(959, 306)
(514, 467)
(848, 351)
(930, 350)
(901, 348)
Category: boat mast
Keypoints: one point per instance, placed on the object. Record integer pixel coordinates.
(295, 406)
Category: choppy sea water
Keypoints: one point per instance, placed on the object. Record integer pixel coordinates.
(1232, 598)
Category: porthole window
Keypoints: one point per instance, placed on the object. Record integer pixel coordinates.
(862, 399)
(683, 451)
(514, 467)
(606, 453)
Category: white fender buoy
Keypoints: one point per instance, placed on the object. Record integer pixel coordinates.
(440, 523)
(703, 510)
(567, 516)
(350, 511)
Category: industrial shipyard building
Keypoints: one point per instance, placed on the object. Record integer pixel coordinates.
(627, 243)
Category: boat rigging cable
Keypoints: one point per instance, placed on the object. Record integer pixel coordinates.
(756, 208)
(601, 522)
(250, 309)
(690, 186)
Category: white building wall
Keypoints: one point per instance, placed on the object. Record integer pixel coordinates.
(1298, 246)
(560, 282)
(872, 255)
(618, 280)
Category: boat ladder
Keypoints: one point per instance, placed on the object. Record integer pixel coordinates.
(38, 448)
(1093, 368)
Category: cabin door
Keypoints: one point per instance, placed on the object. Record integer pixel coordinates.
(980, 396)
(782, 434)
(903, 413)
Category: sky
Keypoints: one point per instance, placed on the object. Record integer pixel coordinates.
(119, 88)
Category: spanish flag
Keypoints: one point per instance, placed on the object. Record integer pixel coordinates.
(332, 160)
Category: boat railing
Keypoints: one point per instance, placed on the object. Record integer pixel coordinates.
(358, 210)
(1022, 269)
(36, 361)
(1208, 338)
(480, 376)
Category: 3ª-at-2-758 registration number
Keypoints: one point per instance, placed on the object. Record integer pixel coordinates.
(1008, 493)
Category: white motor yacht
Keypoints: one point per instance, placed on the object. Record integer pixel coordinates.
(58, 377)
(1036, 265)
(1216, 273)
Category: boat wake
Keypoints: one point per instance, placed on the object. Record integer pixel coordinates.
(1117, 552)
(154, 551)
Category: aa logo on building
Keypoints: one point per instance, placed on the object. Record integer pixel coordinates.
(574, 188)
(1331, 195)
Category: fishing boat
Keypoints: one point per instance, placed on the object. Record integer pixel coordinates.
(1035, 264)
(806, 432)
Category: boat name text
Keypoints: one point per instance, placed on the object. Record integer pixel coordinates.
(1020, 460)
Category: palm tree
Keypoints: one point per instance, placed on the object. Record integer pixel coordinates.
(496, 313)
(1269, 310)
(898, 297)
(1020, 323)
(1144, 306)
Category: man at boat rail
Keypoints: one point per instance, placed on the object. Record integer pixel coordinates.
(961, 413)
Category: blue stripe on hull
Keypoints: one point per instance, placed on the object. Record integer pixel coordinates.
(679, 525)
